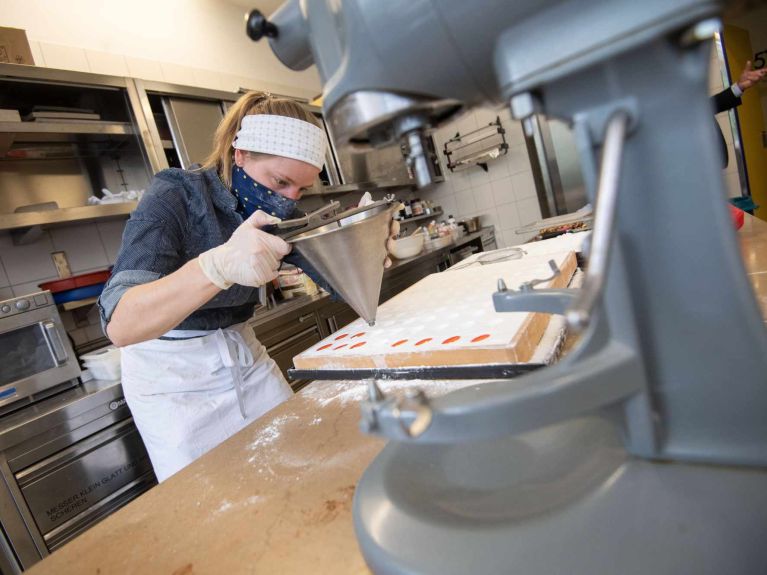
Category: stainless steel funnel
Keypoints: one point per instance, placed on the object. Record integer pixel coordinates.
(349, 252)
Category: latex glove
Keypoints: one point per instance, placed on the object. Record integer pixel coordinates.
(393, 232)
(251, 257)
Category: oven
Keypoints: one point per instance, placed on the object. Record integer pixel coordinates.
(66, 463)
(36, 358)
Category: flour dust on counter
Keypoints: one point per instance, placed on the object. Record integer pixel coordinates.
(227, 505)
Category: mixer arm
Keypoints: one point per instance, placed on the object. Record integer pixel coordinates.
(499, 408)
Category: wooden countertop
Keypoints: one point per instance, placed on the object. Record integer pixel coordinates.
(275, 498)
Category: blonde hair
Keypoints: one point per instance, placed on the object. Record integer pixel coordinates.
(222, 155)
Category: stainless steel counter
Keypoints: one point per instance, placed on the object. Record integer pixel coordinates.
(68, 405)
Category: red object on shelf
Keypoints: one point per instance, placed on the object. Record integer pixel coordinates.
(738, 216)
(83, 280)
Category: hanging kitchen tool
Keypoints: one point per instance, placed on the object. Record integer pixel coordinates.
(476, 148)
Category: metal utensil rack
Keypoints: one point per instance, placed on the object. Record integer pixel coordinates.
(476, 148)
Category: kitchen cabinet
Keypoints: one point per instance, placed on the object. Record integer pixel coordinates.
(144, 127)
(284, 335)
(66, 463)
(399, 279)
(192, 125)
(81, 135)
(181, 121)
(185, 118)
(335, 315)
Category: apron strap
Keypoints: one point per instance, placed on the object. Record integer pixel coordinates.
(235, 354)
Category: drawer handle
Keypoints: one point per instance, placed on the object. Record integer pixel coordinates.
(306, 317)
(55, 345)
(292, 339)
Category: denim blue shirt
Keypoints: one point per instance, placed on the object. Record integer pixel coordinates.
(181, 215)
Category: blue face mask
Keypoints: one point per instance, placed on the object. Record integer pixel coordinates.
(252, 196)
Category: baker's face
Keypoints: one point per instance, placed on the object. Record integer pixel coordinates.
(286, 176)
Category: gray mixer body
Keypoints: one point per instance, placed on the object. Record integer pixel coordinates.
(644, 450)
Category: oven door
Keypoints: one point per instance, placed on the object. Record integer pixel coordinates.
(36, 354)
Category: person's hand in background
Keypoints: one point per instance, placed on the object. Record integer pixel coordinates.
(749, 76)
(393, 233)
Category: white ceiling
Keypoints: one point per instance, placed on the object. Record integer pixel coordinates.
(266, 6)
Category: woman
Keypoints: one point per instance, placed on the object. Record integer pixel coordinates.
(185, 281)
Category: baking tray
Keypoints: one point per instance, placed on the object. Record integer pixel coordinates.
(74, 282)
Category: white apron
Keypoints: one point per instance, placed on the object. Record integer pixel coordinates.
(189, 395)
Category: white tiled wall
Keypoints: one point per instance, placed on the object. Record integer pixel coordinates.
(504, 196)
(88, 247)
(201, 45)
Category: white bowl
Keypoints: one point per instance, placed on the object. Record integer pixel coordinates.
(103, 363)
(408, 247)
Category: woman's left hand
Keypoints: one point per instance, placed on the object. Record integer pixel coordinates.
(393, 232)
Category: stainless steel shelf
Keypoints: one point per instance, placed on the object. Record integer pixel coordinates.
(76, 304)
(434, 214)
(361, 187)
(45, 132)
(65, 215)
(83, 127)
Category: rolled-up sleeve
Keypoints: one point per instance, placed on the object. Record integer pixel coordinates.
(152, 247)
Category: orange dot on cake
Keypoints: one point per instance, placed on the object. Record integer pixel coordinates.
(452, 339)
(398, 343)
(360, 344)
(480, 337)
(343, 335)
(423, 341)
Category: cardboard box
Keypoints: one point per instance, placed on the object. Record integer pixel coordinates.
(14, 47)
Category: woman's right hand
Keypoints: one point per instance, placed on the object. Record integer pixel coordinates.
(251, 257)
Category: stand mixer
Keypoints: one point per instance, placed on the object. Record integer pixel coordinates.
(644, 450)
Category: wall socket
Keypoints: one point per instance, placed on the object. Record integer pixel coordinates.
(62, 264)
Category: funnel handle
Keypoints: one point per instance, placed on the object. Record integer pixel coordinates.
(312, 217)
(291, 227)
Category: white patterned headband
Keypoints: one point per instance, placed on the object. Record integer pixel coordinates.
(282, 136)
